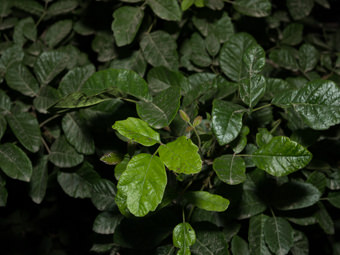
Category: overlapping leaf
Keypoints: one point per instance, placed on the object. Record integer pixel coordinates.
(230, 169)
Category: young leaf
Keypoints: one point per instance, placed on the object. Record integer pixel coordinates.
(253, 8)
(299, 9)
(137, 130)
(226, 120)
(125, 25)
(257, 244)
(252, 89)
(38, 183)
(57, 32)
(106, 223)
(230, 169)
(143, 183)
(15, 163)
(308, 57)
(281, 156)
(181, 156)
(168, 10)
(183, 237)
(207, 201)
(111, 158)
(239, 246)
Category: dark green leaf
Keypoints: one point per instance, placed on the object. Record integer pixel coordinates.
(199, 55)
(230, 169)
(284, 57)
(301, 244)
(253, 8)
(3, 194)
(46, 98)
(299, 9)
(11, 55)
(15, 163)
(135, 62)
(292, 34)
(207, 201)
(5, 8)
(106, 223)
(3, 126)
(257, 244)
(57, 32)
(24, 29)
(111, 158)
(239, 246)
(252, 89)
(38, 182)
(318, 180)
(255, 59)
(168, 10)
(30, 6)
(183, 236)
(334, 198)
(308, 57)
(103, 194)
(212, 45)
(240, 143)
(263, 137)
(120, 168)
(324, 219)
(76, 100)
(61, 7)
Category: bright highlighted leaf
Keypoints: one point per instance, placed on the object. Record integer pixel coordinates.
(137, 130)
(126, 22)
(181, 156)
(281, 156)
(252, 89)
(257, 244)
(207, 201)
(253, 8)
(163, 108)
(168, 10)
(183, 236)
(230, 169)
(278, 235)
(26, 129)
(78, 100)
(143, 183)
(226, 120)
(255, 59)
(318, 103)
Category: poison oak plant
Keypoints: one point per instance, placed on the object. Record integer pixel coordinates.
(192, 126)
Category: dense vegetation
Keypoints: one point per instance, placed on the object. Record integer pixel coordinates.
(169, 127)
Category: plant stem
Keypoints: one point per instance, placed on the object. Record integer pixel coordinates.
(261, 107)
(45, 145)
(48, 120)
(197, 135)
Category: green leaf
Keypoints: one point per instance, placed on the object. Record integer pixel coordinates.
(231, 55)
(186, 4)
(239, 246)
(168, 10)
(299, 9)
(15, 163)
(61, 7)
(281, 156)
(226, 120)
(5, 8)
(143, 183)
(46, 98)
(255, 59)
(284, 57)
(38, 183)
(252, 89)
(125, 25)
(253, 8)
(257, 244)
(278, 235)
(308, 57)
(111, 158)
(301, 244)
(102, 194)
(324, 219)
(3, 194)
(79, 183)
(57, 32)
(78, 100)
(24, 29)
(334, 198)
(26, 128)
(77, 134)
(230, 169)
(181, 156)
(207, 201)
(263, 137)
(106, 223)
(5, 103)
(134, 62)
(162, 110)
(159, 49)
(30, 6)
(296, 195)
(183, 236)
(49, 65)
(3, 126)
(19, 78)
(212, 44)
(125, 81)
(137, 130)
(11, 55)
(63, 154)
(199, 55)
(120, 168)
(318, 180)
(318, 103)
(292, 34)
(240, 143)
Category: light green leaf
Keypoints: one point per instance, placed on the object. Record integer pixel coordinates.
(143, 183)
(239, 246)
(168, 10)
(324, 219)
(30, 6)
(77, 134)
(255, 59)
(263, 137)
(63, 154)
(226, 120)
(252, 89)
(183, 236)
(299, 9)
(125, 25)
(19, 78)
(39, 178)
(207, 201)
(181, 156)
(253, 8)
(334, 198)
(292, 34)
(26, 128)
(57, 32)
(159, 49)
(106, 223)
(284, 57)
(231, 56)
(134, 62)
(111, 158)
(49, 65)
(125, 81)
(137, 130)
(78, 100)
(230, 169)
(15, 163)
(308, 57)
(103, 194)
(318, 103)
(186, 4)
(120, 168)
(278, 235)
(257, 244)
(3, 125)
(163, 108)
(61, 7)
(46, 98)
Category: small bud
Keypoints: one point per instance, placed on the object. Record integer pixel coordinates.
(197, 121)
(184, 116)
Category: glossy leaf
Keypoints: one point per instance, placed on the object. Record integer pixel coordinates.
(199, 55)
(281, 156)
(255, 59)
(308, 57)
(76, 100)
(252, 89)
(181, 156)
(263, 137)
(207, 201)
(168, 10)
(253, 8)
(57, 32)
(126, 22)
(230, 169)
(159, 49)
(106, 223)
(26, 129)
(226, 120)
(183, 236)
(299, 9)
(15, 163)
(137, 130)
(38, 183)
(318, 103)
(257, 244)
(143, 183)
(63, 154)
(162, 110)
